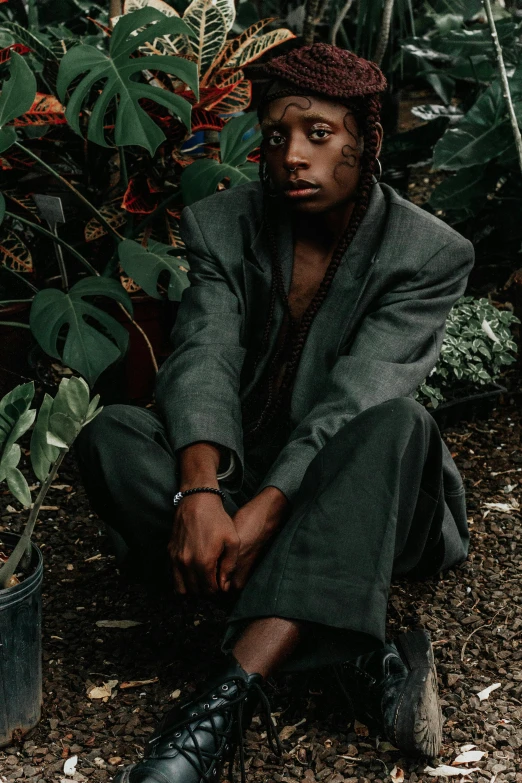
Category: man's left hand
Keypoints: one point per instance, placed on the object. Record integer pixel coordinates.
(256, 522)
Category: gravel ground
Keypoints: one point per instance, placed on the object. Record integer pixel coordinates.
(474, 614)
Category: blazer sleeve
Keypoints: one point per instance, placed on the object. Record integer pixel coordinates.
(395, 348)
(197, 388)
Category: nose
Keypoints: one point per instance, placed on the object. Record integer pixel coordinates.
(295, 157)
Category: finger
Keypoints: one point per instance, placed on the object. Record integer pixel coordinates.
(191, 577)
(228, 563)
(179, 582)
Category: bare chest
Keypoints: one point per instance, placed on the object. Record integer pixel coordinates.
(308, 271)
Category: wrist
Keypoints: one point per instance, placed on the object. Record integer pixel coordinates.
(274, 502)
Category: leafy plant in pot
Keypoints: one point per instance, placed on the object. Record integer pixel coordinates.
(56, 426)
(478, 343)
(119, 147)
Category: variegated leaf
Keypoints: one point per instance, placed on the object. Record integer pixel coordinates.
(226, 77)
(14, 253)
(129, 285)
(166, 44)
(206, 120)
(19, 48)
(46, 110)
(237, 99)
(134, 5)
(234, 45)
(258, 46)
(173, 233)
(25, 202)
(209, 25)
(228, 9)
(113, 214)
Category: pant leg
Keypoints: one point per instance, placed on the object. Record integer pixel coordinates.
(370, 505)
(130, 474)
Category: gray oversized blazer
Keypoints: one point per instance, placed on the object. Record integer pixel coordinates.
(377, 335)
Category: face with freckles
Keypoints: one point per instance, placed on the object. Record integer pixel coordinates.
(313, 151)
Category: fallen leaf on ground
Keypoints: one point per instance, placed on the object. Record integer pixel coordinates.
(117, 623)
(397, 775)
(102, 691)
(449, 772)
(69, 766)
(287, 731)
(514, 505)
(465, 748)
(486, 692)
(360, 729)
(469, 756)
(99, 762)
(11, 510)
(67, 487)
(175, 694)
(115, 760)
(138, 683)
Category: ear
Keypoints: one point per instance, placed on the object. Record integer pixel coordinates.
(379, 129)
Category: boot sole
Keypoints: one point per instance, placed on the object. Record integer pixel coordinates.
(418, 720)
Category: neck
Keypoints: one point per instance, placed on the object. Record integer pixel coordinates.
(324, 229)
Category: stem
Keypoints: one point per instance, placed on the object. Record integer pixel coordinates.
(504, 79)
(20, 277)
(9, 568)
(15, 323)
(310, 21)
(384, 34)
(123, 168)
(143, 334)
(13, 301)
(76, 192)
(339, 20)
(55, 238)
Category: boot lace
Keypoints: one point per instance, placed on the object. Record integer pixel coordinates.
(205, 762)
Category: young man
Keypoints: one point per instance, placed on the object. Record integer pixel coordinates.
(305, 474)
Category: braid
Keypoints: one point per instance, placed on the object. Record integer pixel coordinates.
(316, 63)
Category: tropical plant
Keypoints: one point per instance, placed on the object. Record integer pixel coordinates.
(58, 423)
(477, 345)
(110, 122)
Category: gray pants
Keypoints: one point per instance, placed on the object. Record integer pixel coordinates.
(371, 506)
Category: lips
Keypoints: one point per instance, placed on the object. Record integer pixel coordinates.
(300, 184)
(300, 188)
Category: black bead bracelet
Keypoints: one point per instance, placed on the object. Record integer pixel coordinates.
(180, 495)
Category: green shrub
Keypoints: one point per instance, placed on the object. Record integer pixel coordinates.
(477, 344)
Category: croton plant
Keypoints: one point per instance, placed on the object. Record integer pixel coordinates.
(104, 137)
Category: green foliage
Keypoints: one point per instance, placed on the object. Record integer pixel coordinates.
(146, 264)
(16, 417)
(16, 98)
(202, 177)
(477, 345)
(84, 347)
(118, 70)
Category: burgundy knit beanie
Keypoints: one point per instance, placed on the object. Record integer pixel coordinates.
(323, 70)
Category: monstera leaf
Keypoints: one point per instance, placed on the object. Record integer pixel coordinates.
(87, 348)
(202, 177)
(145, 266)
(16, 98)
(120, 70)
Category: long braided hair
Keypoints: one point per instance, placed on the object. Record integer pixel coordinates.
(325, 71)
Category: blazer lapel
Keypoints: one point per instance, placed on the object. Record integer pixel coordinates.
(336, 316)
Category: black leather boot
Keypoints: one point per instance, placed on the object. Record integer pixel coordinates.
(196, 739)
(394, 691)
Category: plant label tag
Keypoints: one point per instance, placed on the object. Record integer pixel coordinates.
(50, 207)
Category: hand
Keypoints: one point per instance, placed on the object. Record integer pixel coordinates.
(204, 539)
(256, 522)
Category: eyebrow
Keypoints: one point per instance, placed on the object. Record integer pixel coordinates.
(310, 116)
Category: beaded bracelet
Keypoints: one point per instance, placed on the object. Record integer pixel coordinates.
(180, 495)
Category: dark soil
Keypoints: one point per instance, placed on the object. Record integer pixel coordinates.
(474, 614)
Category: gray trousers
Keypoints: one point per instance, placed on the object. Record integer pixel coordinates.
(371, 506)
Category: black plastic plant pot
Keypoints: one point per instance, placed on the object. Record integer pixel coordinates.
(21, 650)
(474, 406)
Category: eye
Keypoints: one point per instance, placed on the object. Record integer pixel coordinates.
(320, 133)
(275, 140)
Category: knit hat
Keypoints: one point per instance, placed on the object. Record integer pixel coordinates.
(322, 70)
